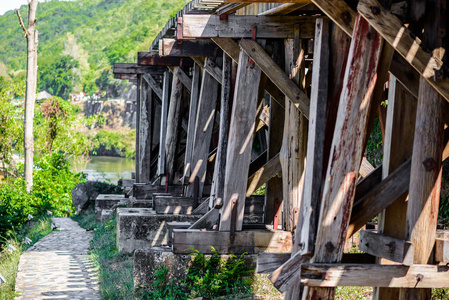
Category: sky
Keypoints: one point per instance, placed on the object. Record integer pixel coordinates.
(6, 5)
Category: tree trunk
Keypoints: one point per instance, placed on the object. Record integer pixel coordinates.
(30, 97)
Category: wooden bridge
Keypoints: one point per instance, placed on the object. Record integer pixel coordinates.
(234, 95)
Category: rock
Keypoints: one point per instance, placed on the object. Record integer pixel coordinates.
(79, 197)
(86, 192)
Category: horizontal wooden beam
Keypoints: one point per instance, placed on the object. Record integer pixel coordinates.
(284, 268)
(151, 59)
(185, 80)
(393, 276)
(283, 9)
(173, 47)
(129, 68)
(406, 44)
(176, 205)
(125, 76)
(211, 26)
(250, 241)
(442, 250)
(277, 75)
(387, 247)
(269, 1)
(230, 8)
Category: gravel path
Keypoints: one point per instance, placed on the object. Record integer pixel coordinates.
(58, 267)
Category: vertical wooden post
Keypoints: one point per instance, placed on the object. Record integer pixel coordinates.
(173, 125)
(164, 112)
(239, 145)
(398, 145)
(193, 108)
(347, 148)
(203, 132)
(220, 160)
(145, 133)
(273, 189)
(294, 145)
(138, 117)
(428, 145)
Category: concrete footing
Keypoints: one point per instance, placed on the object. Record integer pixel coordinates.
(148, 260)
(142, 227)
(107, 201)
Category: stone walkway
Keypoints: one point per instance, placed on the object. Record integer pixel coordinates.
(58, 267)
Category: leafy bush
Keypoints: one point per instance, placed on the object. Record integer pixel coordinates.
(114, 142)
(52, 188)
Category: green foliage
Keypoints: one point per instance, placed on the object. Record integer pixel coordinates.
(213, 276)
(79, 40)
(374, 148)
(114, 142)
(52, 188)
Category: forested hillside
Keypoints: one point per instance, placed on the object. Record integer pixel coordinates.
(79, 40)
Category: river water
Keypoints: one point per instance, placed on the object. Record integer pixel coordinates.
(107, 168)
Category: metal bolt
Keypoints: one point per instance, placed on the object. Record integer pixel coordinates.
(375, 10)
(429, 164)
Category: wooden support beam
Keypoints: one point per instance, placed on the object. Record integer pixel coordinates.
(129, 68)
(308, 214)
(174, 205)
(151, 59)
(145, 134)
(398, 145)
(193, 109)
(174, 114)
(383, 246)
(211, 26)
(138, 116)
(265, 173)
(182, 76)
(230, 8)
(239, 147)
(203, 132)
(153, 85)
(249, 241)
(208, 220)
(346, 151)
(429, 65)
(276, 75)
(225, 107)
(213, 70)
(163, 127)
(283, 9)
(232, 49)
(442, 250)
(173, 47)
(393, 276)
(130, 77)
(268, 1)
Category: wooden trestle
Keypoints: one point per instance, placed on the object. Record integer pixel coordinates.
(245, 96)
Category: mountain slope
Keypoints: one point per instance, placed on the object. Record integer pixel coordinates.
(79, 40)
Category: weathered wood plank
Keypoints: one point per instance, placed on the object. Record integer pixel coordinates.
(398, 145)
(129, 68)
(250, 241)
(386, 247)
(193, 109)
(239, 147)
(415, 276)
(138, 117)
(173, 47)
(203, 132)
(173, 205)
(211, 26)
(171, 139)
(151, 59)
(208, 220)
(213, 70)
(153, 85)
(283, 9)
(225, 106)
(163, 127)
(308, 214)
(347, 145)
(442, 250)
(145, 134)
(277, 75)
(185, 80)
(265, 173)
(405, 43)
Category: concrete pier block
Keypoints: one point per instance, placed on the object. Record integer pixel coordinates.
(142, 227)
(148, 260)
(107, 201)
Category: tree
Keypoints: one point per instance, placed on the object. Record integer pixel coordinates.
(31, 35)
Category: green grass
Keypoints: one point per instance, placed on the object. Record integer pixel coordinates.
(9, 261)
